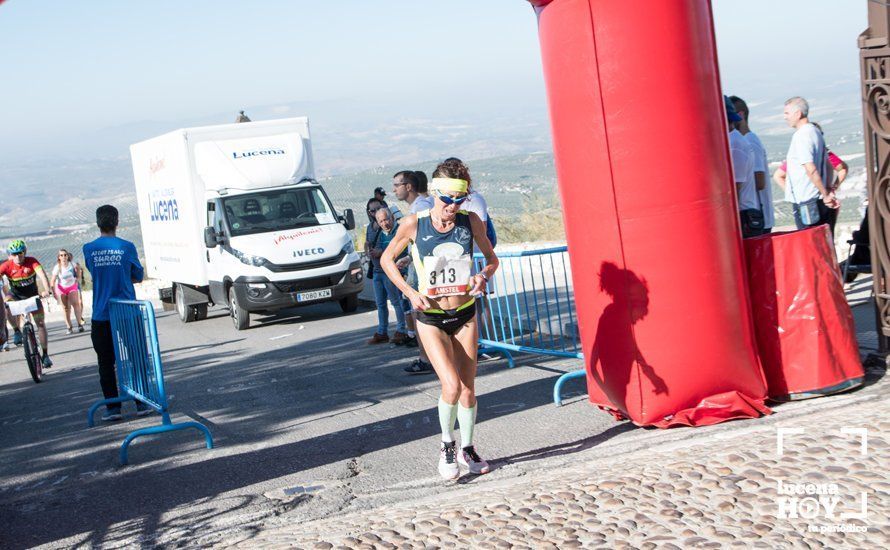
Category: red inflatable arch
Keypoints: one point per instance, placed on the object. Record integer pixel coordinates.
(640, 143)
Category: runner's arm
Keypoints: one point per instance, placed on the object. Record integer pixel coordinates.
(491, 260)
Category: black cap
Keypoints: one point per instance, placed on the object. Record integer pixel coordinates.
(731, 113)
(380, 191)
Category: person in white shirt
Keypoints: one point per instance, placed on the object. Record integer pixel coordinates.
(805, 185)
(743, 175)
(411, 186)
(761, 166)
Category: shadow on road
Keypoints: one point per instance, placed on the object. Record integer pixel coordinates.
(261, 395)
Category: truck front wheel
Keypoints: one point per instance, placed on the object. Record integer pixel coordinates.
(349, 304)
(240, 316)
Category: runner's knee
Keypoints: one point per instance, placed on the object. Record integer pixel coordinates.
(451, 390)
(467, 394)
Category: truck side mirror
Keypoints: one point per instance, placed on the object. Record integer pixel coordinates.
(348, 219)
(210, 237)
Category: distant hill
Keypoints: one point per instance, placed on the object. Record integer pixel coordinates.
(52, 201)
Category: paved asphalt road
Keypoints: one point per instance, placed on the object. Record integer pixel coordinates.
(308, 420)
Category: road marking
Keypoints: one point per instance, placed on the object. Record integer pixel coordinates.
(281, 336)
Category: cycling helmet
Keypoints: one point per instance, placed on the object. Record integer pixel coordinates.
(15, 247)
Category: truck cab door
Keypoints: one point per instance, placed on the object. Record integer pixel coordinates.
(214, 257)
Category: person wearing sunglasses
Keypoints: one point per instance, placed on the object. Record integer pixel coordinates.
(442, 241)
(21, 272)
(65, 283)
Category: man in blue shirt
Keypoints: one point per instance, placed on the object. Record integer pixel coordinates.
(114, 267)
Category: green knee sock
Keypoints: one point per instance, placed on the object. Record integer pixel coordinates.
(447, 416)
(466, 419)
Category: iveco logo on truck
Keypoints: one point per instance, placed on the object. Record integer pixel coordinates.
(308, 252)
(256, 153)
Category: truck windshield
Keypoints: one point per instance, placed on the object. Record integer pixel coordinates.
(277, 210)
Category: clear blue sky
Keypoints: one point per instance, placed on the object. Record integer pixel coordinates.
(89, 64)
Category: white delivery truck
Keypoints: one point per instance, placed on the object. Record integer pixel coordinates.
(232, 215)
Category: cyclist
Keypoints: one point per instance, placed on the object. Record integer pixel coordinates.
(4, 335)
(17, 336)
(22, 271)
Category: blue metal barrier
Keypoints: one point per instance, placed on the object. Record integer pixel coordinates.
(140, 375)
(530, 308)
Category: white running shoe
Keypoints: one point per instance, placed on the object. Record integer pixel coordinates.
(468, 457)
(448, 467)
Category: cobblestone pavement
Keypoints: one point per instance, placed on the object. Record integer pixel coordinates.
(716, 491)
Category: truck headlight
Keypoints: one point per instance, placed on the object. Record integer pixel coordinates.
(348, 248)
(249, 259)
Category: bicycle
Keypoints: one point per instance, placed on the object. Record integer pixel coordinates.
(33, 353)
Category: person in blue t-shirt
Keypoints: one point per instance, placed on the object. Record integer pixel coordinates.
(114, 267)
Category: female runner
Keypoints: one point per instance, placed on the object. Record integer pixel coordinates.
(65, 283)
(445, 304)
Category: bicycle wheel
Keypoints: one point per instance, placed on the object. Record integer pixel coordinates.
(32, 353)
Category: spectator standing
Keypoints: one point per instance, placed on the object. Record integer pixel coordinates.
(750, 216)
(371, 232)
(806, 188)
(383, 288)
(761, 165)
(380, 196)
(114, 266)
(412, 187)
(835, 169)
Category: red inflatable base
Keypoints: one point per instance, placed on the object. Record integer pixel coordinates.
(803, 323)
(651, 222)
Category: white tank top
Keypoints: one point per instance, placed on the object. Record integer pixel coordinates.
(67, 276)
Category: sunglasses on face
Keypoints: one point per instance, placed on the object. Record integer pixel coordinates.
(449, 200)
